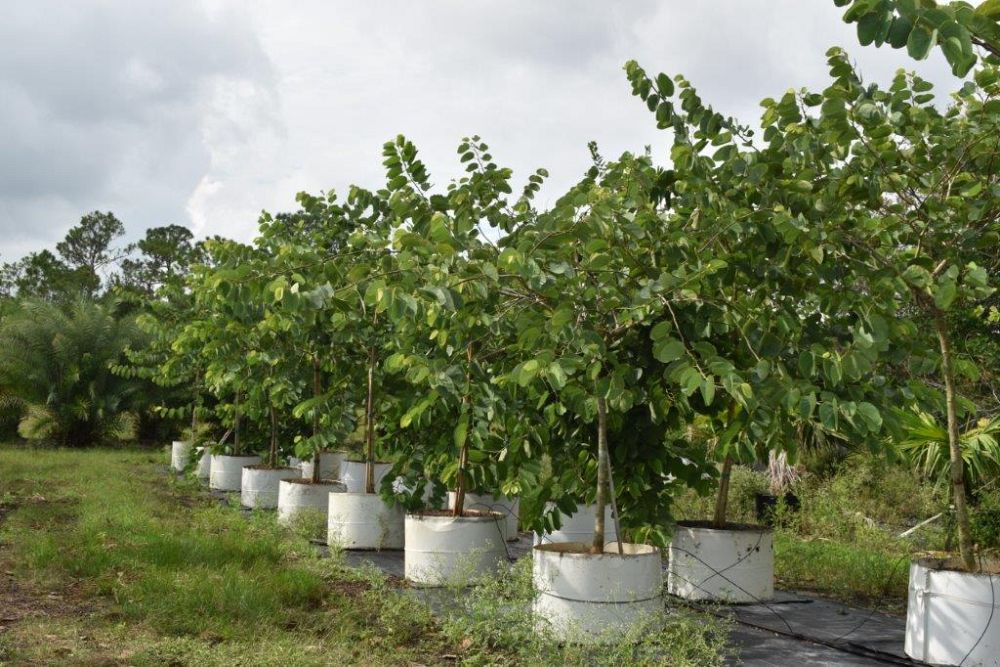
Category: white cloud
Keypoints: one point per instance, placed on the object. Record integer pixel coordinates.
(206, 113)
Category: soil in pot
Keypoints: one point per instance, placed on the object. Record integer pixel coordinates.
(734, 564)
(509, 507)
(259, 488)
(595, 598)
(442, 549)
(363, 521)
(953, 616)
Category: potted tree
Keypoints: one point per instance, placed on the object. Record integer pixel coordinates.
(220, 337)
(448, 353)
(925, 255)
(582, 350)
(784, 340)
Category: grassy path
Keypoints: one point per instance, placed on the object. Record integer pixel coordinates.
(105, 560)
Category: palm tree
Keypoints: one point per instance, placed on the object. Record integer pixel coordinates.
(57, 360)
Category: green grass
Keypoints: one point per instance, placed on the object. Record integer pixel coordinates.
(159, 573)
(108, 560)
(864, 576)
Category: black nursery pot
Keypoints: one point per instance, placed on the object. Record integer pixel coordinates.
(765, 505)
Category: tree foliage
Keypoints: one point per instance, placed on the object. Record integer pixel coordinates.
(921, 25)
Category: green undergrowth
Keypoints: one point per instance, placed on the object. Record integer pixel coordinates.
(118, 563)
(159, 573)
(494, 622)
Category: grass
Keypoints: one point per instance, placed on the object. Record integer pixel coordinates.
(149, 571)
(107, 560)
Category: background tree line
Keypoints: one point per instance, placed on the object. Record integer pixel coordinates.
(68, 317)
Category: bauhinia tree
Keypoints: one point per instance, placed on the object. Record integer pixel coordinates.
(920, 25)
(880, 213)
(451, 344)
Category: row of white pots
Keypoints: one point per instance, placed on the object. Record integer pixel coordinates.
(952, 616)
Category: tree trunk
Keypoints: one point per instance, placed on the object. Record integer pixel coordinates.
(272, 457)
(597, 547)
(722, 500)
(463, 453)
(955, 448)
(370, 425)
(236, 425)
(317, 390)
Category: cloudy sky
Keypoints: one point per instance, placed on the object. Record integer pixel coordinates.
(205, 112)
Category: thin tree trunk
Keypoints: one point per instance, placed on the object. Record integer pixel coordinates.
(272, 458)
(236, 425)
(463, 453)
(954, 448)
(317, 390)
(597, 546)
(370, 425)
(722, 500)
(614, 504)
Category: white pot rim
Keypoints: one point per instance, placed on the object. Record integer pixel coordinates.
(267, 468)
(728, 528)
(582, 550)
(952, 563)
(305, 481)
(447, 517)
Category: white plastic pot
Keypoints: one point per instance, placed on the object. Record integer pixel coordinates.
(734, 564)
(298, 496)
(352, 474)
(443, 550)
(329, 466)
(507, 506)
(363, 521)
(592, 598)
(180, 455)
(579, 526)
(227, 471)
(952, 617)
(260, 486)
(204, 470)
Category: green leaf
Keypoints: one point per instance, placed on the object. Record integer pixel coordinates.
(668, 349)
(665, 85)
(660, 331)
(708, 390)
(944, 294)
(557, 375)
(872, 417)
(920, 41)
(828, 415)
(989, 9)
(461, 431)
